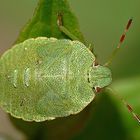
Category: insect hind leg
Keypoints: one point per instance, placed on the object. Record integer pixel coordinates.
(129, 108)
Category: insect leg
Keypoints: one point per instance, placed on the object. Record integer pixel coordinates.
(129, 108)
(64, 29)
(116, 50)
(91, 47)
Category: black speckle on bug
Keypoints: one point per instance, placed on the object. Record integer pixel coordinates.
(21, 104)
(88, 77)
(88, 80)
(38, 62)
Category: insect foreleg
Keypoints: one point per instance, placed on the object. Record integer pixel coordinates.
(64, 29)
(91, 47)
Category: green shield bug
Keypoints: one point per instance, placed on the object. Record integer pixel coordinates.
(45, 78)
(41, 83)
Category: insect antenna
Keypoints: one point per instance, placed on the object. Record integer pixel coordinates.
(129, 108)
(122, 38)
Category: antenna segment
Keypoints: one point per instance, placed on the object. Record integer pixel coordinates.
(122, 38)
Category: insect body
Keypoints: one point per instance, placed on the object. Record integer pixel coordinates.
(45, 78)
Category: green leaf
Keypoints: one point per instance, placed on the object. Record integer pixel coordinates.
(32, 130)
(44, 21)
(61, 128)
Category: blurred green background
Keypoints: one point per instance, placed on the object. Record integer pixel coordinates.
(102, 23)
